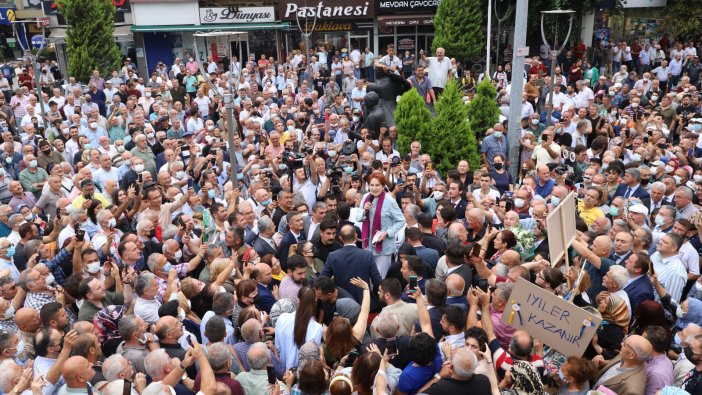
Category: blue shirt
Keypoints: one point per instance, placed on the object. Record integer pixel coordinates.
(413, 378)
(265, 299)
(491, 147)
(546, 189)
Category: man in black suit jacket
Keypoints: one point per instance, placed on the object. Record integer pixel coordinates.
(657, 193)
(639, 288)
(263, 242)
(454, 193)
(632, 187)
(294, 235)
(350, 262)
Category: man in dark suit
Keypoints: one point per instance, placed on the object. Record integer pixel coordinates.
(632, 187)
(436, 293)
(454, 193)
(294, 235)
(312, 222)
(658, 200)
(639, 288)
(623, 244)
(263, 242)
(262, 274)
(350, 262)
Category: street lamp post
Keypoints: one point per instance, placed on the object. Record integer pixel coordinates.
(228, 99)
(500, 19)
(555, 52)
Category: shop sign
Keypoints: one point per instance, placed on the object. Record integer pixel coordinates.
(392, 6)
(327, 10)
(237, 15)
(405, 44)
(419, 20)
(7, 16)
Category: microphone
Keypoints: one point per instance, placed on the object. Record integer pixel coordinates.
(370, 200)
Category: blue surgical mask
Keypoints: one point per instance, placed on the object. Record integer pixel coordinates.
(498, 134)
(348, 169)
(266, 202)
(167, 267)
(659, 220)
(240, 176)
(555, 200)
(11, 251)
(614, 211)
(211, 194)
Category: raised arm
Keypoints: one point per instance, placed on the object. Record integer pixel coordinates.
(423, 312)
(359, 329)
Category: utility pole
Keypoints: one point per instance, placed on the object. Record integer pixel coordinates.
(521, 51)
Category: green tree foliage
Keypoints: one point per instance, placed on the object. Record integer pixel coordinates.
(89, 39)
(450, 139)
(458, 25)
(483, 112)
(412, 118)
(677, 19)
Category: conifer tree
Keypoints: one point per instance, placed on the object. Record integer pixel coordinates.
(412, 118)
(90, 44)
(458, 26)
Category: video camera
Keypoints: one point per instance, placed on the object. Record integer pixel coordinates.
(293, 160)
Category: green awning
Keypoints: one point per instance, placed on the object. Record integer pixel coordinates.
(212, 27)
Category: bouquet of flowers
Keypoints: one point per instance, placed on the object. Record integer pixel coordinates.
(524, 237)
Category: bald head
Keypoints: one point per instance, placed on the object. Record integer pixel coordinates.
(455, 284)
(77, 371)
(262, 273)
(639, 350)
(511, 258)
(27, 319)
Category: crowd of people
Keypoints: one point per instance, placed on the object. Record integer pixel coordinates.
(136, 257)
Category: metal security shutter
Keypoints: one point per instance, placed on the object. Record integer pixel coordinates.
(158, 48)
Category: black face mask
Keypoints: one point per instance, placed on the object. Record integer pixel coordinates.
(498, 166)
(645, 181)
(46, 151)
(689, 354)
(152, 234)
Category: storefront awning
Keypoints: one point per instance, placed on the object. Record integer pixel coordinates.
(214, 27)
(405, 20)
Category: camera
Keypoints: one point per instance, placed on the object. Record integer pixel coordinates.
(293, 160)
(307, 150)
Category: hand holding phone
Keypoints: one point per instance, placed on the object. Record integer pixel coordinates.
(270, 370)
(412, 283)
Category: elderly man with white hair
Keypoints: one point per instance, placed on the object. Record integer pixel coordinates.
(458, 376)
(614, 282)
(255, 381)
(11, 379)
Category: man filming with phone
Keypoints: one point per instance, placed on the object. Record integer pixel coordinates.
(88, 194)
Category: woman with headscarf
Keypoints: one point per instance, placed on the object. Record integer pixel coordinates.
(614, 326)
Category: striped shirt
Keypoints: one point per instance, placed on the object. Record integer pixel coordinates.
(671, 274)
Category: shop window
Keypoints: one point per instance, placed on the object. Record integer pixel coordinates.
(383, 42)
(262, 42)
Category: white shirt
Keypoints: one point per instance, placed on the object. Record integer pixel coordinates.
(493, 193)
(101, 175)
(438, 71)
(582, 99)
(41, 367)
(147, 309)
(203, 104)
(285, 342)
